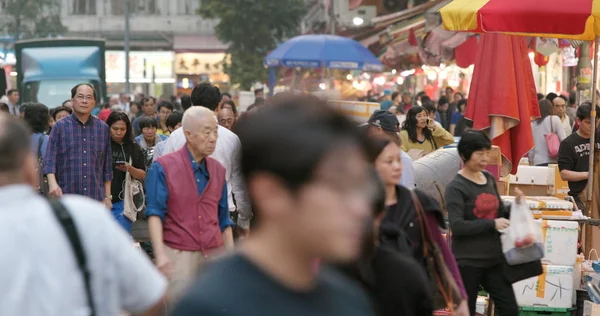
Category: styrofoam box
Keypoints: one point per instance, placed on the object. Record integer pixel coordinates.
(556, 292)
(560, 242)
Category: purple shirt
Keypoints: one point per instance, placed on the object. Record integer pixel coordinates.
(79, 156)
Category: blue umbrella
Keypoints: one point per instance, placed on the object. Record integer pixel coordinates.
(328, 51)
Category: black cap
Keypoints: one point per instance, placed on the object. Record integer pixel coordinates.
(385, 120)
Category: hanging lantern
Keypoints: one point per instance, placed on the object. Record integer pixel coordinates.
(540, 59)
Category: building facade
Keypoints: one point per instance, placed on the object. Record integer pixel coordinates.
(171, 46)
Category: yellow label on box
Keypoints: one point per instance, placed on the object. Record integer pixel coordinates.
(541, 284)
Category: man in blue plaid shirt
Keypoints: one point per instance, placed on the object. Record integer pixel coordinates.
(78, 159)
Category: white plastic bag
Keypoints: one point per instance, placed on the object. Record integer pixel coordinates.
(522, 241)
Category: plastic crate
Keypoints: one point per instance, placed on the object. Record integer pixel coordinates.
(546, 311)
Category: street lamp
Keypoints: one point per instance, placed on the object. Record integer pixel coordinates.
(358, 21)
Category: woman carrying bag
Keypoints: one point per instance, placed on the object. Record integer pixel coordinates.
(477, 215)
(411, 224)
(128, 166)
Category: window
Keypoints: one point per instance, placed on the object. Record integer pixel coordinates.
(84, 7)
(188, 7)
(140, 7)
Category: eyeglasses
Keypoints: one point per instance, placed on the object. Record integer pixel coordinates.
(81, 97)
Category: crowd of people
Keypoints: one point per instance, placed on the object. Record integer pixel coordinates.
(290, 208)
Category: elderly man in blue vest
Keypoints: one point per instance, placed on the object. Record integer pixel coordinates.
(188, 214)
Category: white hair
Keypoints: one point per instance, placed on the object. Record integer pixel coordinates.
(193, 114)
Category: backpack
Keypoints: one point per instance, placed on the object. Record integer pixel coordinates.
(43, 187)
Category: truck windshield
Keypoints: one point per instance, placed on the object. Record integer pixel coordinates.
(52, 93)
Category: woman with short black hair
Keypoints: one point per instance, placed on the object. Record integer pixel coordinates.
(476, 215)
(37, 117)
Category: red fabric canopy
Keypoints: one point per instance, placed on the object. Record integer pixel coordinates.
(502, 98)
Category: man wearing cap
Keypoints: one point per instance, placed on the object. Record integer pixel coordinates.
(384, 123)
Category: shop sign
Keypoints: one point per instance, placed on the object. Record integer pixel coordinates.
(141, 65)
(199, 63)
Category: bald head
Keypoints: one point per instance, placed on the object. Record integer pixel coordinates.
(195, 115)
(201, 131)
(560, 106)
(226, 118)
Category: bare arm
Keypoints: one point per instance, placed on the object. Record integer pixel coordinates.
(227, 236)
(157, 310)
(568, 175)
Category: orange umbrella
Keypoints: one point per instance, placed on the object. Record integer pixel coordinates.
(502, 97)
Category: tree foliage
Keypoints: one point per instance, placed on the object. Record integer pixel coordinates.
(252, 28)
(27, 19)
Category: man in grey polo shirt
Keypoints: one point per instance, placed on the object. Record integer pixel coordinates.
(39, 272)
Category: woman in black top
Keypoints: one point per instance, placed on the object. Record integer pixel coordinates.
(400, 226)
(476, 214)
(127, 156)
(396, 284)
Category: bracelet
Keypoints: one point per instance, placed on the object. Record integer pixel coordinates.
(108, 197)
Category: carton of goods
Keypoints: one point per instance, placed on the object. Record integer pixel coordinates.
(590, 309)
(553, 288)
(532, 180)
(560, 242)
(545, 207)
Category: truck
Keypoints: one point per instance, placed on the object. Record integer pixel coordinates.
(47, 69)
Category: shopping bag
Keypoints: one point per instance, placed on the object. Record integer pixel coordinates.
(522, 241)
(552, 141)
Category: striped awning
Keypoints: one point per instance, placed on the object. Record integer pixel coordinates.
(572, 19)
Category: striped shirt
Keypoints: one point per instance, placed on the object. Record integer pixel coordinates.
(79, 156)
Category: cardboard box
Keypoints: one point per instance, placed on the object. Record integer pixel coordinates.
(591, 309)
(560, 242)
(554, 288)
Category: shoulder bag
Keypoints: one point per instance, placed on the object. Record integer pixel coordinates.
(446, 293)
(552, 141)
(132, 190)
(66, 222)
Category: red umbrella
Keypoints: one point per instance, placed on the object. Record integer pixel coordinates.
(502, 97)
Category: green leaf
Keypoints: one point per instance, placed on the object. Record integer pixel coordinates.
(253, 28)
(33, 19)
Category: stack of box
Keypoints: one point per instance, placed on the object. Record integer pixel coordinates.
(555, 288)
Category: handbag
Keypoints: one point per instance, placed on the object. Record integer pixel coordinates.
(552, 141)
(446, 293)
(132, 190)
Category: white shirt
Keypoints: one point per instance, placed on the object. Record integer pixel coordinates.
(408, 171)
(539, 153)
(566, 124)
(227, 152)
(39, 274)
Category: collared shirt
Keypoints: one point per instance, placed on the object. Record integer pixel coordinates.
(227, 152)
(79, 156)
(158, 150)
(38, 261)
(157, 192)
(14, 109)
(408, 178)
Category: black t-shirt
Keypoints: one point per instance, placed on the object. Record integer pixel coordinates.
(234, 286)
(472, 210)
(122, 153)
(574, 155)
